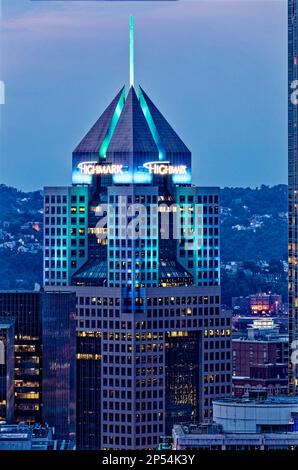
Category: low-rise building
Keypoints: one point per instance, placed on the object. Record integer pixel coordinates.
(24, 436)
(260, 359)
(269, 379)
(244, 425)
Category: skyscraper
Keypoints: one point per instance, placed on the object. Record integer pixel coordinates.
(58, 363)
(293, 190)
(6, 370)
(43, 367)
(24, 308)
(139, 244)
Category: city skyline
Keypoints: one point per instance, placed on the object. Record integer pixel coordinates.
(148, 302)
(246, 79)
(127, 342)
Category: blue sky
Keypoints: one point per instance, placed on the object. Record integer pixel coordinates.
(216, 70)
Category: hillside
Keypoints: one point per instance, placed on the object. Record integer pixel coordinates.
(254, 223)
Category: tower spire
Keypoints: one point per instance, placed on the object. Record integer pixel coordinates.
(131, 51)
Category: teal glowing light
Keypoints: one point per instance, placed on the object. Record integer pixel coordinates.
(79, 178)
(140, 177)
(152, 127)
(137, 177)
(182, 179)
(125, 178)
(106, 141)
(131, 52)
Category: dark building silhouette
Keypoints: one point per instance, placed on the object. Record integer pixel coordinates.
(6, 370)
(44, 357)
(59, 363)
(293, 190)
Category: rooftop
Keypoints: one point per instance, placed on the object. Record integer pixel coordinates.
(279, 400)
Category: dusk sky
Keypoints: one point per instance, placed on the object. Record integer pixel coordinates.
(217, 70)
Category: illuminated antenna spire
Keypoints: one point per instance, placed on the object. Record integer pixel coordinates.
(131, 52)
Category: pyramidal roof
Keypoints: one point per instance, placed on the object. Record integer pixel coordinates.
(93, 140)
(124, 127)
(171, 142)
(132, 133)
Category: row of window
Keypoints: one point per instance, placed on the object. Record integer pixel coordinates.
(217, 390)
(161, 324)
(98, 301)
(200, 300)
(55, 264)
(54, 283)
(58, 199)
(211, 199)
(138, 199)
(142, 265)
(157, 313)
(139, 406)
(129, 253)
(138, 243)
(148, 441)
(56, 253)
(54, 210)
(58, 232)
(55, 275)
(129, 276)
(55, 232)
(217, 344)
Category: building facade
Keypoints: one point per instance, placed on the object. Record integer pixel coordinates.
(293, 189)
(24, 308)
(59, 363)
(44, 359)
(263, 380)
(6, 370)
(139, 245)
(260, 359)
(252, 352)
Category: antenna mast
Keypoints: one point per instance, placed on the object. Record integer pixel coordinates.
(131, 52)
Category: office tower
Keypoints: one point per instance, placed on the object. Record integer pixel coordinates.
(58, 363)
(88, 389)
(293, 189)
(6, 370)
(153, 344)
(44, 357)
(24, 307)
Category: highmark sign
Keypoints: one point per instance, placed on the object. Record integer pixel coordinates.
(156, 168)
(92, 168)
(164, 168)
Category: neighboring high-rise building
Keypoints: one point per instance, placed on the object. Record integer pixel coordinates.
(88, 389)
(24, 307)
(293, 188)
(44, 357)
(6, 370)
(153, 346)
(58, 363)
